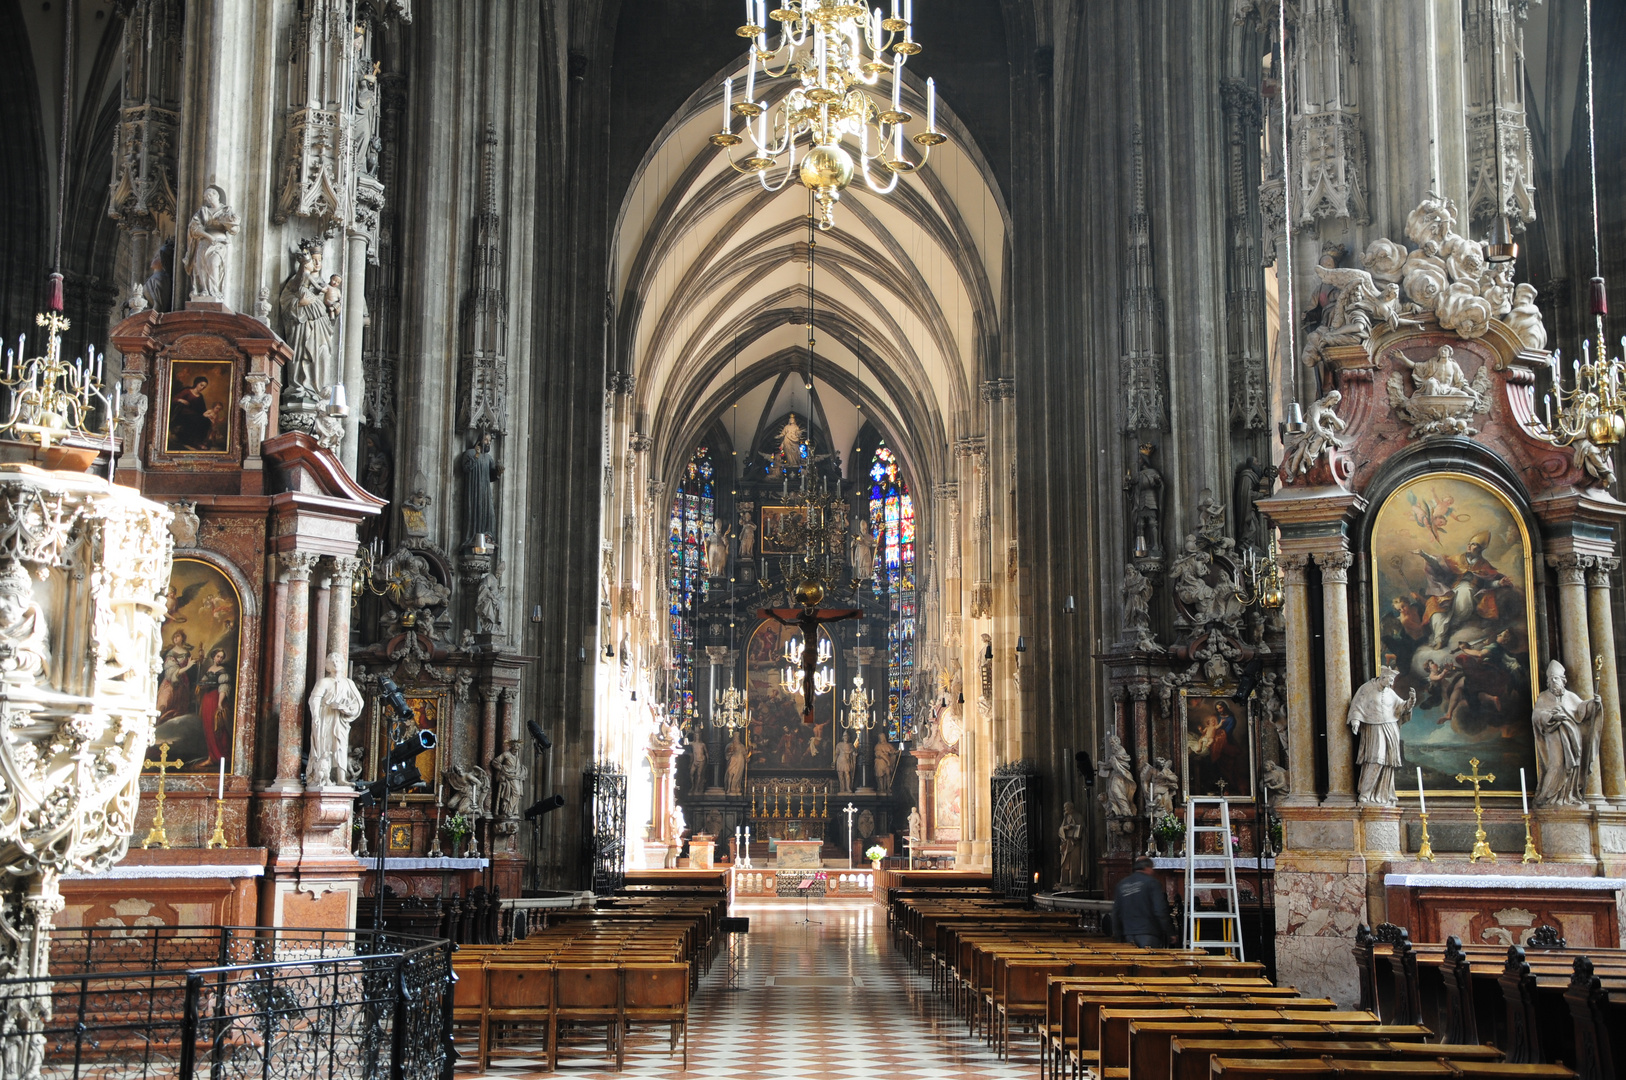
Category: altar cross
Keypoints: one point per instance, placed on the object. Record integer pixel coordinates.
(1476, 777)
(849, 810)
(1482, 848)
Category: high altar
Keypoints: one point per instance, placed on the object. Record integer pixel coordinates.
(1445, 549)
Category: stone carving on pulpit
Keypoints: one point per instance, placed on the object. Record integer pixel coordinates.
(1375, 715)
(1567, 733)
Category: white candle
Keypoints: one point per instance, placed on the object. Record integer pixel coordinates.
(931, 105)
(728, 103)
(222, 793)
(762, 21)
(750, 10)
(1422, 803)
(908, 11)
(751, 79)
(897, 81)
(1523, 798)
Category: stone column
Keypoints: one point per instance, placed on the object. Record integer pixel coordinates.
(316, 634)
(488, 724)
(1301, 747)
(296, 572)
(342, 578)
(1335, 626)
(1611, 753)
(350, 372)
(1575, 641)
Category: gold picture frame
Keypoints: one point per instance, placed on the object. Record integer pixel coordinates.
(1217, 734)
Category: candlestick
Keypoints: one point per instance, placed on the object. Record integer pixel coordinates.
(218, 838)
(1425, 850)
(1530, 853)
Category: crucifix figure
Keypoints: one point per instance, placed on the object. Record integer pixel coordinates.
(156, 836)
(849, 810)
(1482, 849)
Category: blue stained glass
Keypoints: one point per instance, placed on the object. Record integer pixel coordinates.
(892, 518)
(692, 517)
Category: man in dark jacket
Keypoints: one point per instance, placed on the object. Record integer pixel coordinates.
(1140, 912)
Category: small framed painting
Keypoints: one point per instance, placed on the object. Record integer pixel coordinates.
(774, 539)
(1219, 744)
(199, 417)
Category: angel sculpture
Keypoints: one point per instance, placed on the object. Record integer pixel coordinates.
(1115, 769)
(1323, 430)
(1349, 320)
(468, 792)
(1158, 782)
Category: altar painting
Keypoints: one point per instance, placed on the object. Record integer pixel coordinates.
(779, 738)
(1219, 745)
(947, 796)
(773, 540)
(199, 407)
(1452, 597)
(199, 683)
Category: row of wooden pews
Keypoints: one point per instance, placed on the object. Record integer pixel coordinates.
(1103, 1010)
(1540, 1003)
(634, 962)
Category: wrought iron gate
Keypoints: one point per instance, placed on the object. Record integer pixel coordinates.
(604, 827)
(1016, 828)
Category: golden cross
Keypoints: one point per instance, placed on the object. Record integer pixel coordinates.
(163, 759)
(1489, 778)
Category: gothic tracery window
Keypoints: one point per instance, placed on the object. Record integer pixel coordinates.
(693, 517)
(892, 520)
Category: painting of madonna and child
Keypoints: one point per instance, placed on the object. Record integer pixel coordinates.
(1451, 581)
(199, 407)
(197, 690)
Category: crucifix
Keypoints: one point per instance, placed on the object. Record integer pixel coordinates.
(156, 837)
(849, 810)
(1481, 850)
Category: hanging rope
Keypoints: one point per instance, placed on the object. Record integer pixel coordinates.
(1592, 148)
(54, 300)
(1288, 315)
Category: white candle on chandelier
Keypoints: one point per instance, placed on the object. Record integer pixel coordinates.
(894, 9)
(1547, 403)
(750, 11)
(751, 79)
(931, 105)
(762, 21)
(824, 54)
(897, 82)
(728, 104)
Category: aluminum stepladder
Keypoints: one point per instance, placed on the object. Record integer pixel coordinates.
(1227, 903)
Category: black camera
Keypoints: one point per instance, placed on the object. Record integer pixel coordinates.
(394, 699)
(538, 736)
(407, 751)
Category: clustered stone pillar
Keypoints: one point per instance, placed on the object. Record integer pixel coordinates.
(342, 577)
(296, 571)
(1611, 753)
(1335, 625)
(1300, 741)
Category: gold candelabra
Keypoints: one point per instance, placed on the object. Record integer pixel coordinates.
(1530, 853)
(52, 398)
(1594, 410)
(156, 837)
(834, 52)
(217, 839)
(1482, 849)
(1264, 580)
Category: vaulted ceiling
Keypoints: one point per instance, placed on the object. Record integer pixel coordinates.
(711, 286)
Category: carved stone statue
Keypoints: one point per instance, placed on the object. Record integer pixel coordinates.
(748, 535)
(1375, 715)
(160, 284)
(25, 644)
(256, 405)
(488, 601)
(480, 470)
(208, 245)
(1275, 781)
(1250, 481)
(1145, 489)
(357, 760)
(1440, 375)
(917, 826)
(1158, 785)
(676, 826)
(508, 776)
(1211, 512)
(132, 417)
(468, 792)
(306, 324)
(1525, 318)
(985, 670)
(716, 553)
(791, 437)
(1593, 461)
(334, 702)
(1136, 591)
(1071, 834)
(183, 527)
(1567, 733)
(1119, 776)
(734, 773)
(414, 589)
(886, 764)
(863, 550)
(1323, 430)
(697, 765)
(846, 764)
(1272, 720)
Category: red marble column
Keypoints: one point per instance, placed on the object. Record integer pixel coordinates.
(488, 724)
(296, 571)
(316, 625)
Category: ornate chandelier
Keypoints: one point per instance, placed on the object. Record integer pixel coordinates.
(859, 700)
(53, 398)
(732, 714)
(793, 680)
(835, 53)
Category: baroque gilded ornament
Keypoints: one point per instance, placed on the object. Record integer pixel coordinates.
(83, 566)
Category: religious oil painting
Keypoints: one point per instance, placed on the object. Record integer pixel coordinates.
(1219, 745)
(773, 539)
(779, 738)
(1451, 593)
(200, 408)
(427, 711)
(947, 798)
(199, 684)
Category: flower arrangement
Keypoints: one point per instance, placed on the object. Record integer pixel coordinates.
(1169, 829)
(875, 853)
(457, 827)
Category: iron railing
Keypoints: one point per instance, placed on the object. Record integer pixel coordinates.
(1016, 828)
(233, 1002)
(604, 820)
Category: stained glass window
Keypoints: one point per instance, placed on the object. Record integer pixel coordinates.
(892, 519)
(693, 518)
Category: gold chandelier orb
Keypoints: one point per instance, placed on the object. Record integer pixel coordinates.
(844, 65)
(809, 593)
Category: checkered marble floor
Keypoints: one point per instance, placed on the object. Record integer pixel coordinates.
(831, 1000)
